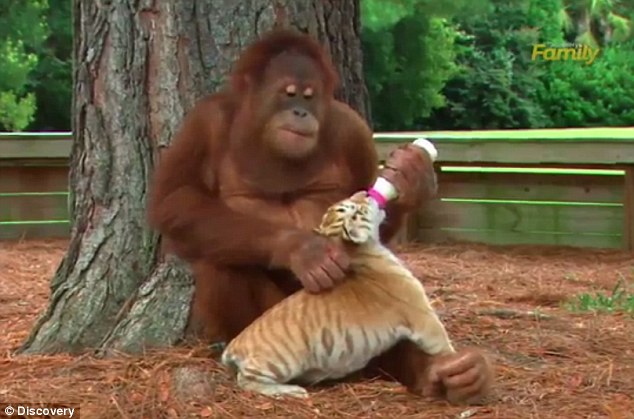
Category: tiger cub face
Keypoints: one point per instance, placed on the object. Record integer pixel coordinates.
(355, 219)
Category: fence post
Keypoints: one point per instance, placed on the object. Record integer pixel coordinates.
(628, 207)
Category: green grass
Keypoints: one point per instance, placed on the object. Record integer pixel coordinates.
(619, 300)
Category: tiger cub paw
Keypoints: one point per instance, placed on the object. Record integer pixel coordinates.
(271, 389)
(298, 392)
(286, 390)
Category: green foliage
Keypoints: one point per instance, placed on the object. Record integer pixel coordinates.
(382, 15)
(599, 94)
(598, 22)
(407, 76)
(409, 55)
(52, 78)
(23, 20)
(22, 32)
(497, 85)
(464, 64)
(620, 300)
(547, 19)
(16, 113)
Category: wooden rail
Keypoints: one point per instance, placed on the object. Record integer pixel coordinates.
(566, 187)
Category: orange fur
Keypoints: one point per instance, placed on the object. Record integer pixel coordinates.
(308, 338)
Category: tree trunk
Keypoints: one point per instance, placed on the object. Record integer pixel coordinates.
(139, 66)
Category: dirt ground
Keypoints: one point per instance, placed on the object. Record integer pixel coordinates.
(551, 363)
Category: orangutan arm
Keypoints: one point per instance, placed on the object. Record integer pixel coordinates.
(197, 223)
(363, 160)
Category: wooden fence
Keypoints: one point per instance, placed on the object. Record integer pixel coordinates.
(566, 187)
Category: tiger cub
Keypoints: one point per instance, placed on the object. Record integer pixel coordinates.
(308, 338)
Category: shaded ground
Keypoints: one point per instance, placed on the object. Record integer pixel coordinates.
(551, 363)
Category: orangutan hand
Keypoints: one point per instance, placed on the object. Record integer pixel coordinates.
(319, 263)
(465, 377)
(411, 171)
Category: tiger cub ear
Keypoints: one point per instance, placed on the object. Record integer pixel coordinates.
(327, 222)
(359, 196)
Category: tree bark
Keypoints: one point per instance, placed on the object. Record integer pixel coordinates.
(139, 66)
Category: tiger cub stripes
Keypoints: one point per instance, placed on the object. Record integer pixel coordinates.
(308, 338)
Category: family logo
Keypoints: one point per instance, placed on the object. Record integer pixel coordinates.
(575, 53)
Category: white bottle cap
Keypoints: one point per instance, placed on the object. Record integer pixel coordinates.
(428, 147)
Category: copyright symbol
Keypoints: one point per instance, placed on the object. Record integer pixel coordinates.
(9, 411)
